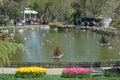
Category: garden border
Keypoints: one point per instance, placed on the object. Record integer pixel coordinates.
(64, 64)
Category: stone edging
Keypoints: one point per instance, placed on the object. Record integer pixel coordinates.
(63, 64)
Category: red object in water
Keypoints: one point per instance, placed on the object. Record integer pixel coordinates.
(57, 52)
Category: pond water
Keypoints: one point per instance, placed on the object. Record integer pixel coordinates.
(76, 45)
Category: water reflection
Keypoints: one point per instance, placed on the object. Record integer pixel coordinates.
(77, 46)
(57, 60)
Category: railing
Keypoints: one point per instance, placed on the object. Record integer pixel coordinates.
(64, 64)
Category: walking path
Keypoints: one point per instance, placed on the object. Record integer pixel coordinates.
(54, 71)
(51, 71)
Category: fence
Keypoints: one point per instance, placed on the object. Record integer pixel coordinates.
(64, 64)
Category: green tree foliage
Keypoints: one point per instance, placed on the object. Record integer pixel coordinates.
(52, 8)
(7, 49)
(12, 8)
(77, 6)
(111, 9)
(60, 9)
(1, 2)
(85, 7)
(63, 10)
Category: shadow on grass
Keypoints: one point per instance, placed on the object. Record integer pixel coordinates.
(55, 77)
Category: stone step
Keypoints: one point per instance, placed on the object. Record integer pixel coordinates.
(98, 71)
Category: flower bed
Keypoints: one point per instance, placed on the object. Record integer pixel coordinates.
(30, 72)
(76, 72)
(113, 72)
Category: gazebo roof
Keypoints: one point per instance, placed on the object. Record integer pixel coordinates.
(87, 16)
(29, 11)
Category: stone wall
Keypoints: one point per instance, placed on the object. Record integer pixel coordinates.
(64, 64)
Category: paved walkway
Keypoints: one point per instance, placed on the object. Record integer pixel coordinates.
(51, 71)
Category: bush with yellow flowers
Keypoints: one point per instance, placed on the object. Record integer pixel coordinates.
(30, 72)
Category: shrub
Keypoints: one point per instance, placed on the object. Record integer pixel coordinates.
(57, 24)
(113, 72)
(30, 72)
(76, 72)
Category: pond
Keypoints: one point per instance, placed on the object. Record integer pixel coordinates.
(76, 45)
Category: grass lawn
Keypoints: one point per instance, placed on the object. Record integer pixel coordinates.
(56, 77)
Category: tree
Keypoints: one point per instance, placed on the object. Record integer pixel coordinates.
(52, 8)
(1, 8)
(1, 2)
(85, 7)
(95, 7)
(7, 49)
(111, 9)
(12, 8)
(79, 8)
